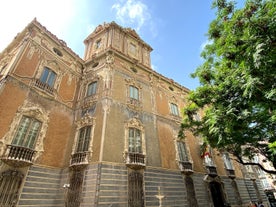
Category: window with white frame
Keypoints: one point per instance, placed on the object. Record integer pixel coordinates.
(227, 161)
(197, 117)
(92, 89)
(83, 139)
(174, 109)
(27, 132)
(133, 92)
(48, 77)
(134, 141)
(182, 151)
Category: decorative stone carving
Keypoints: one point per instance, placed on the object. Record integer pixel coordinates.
(31, 110)
(134, 123)
(53, 65)
(85, 121)
(87, 100)
(151, 79)
(33, 48)
(98, 28)
(109, 59)
(135, 104)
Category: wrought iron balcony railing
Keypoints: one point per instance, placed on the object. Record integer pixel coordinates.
(186, 167)
(231, 173)
(135, 160)
(44, 86)
(79, 159)
(18, 156)
(212, 171)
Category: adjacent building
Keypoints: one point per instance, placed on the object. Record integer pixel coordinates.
(103, 130)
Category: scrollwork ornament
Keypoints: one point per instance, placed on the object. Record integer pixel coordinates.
(85, 121)
(31, 110)
(109, 59)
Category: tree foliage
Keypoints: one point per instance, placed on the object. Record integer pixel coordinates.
(237, 92)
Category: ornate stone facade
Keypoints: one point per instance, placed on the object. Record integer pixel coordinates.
(102, 131)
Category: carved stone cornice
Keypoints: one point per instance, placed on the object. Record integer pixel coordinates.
(86, 120)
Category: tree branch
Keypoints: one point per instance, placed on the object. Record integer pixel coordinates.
(240, 160)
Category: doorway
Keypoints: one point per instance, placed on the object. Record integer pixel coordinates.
(217, 194)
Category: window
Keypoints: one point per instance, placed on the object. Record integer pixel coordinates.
(132, 48)
(134, 141)
(84, 139)
(133, 92)
(48, 77)
(57, 51)
(10, 182)
(27, 132)
(98, 44)
(196, 117)
(174, 109)
(227, 161)
(92, 89)
(182, 151)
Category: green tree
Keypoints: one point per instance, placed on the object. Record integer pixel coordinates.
(237, 92)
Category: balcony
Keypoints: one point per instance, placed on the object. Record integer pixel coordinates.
(89, 100)
(134, 103)
(251, 175)
(18, 156)
(79, 159)
(135, 160)
(44, 86)
(212, 171)
(230, 173)
(186, 167)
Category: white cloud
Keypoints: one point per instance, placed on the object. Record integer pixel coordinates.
(154, 67)
(132, 12)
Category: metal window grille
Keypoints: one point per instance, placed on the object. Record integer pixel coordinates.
(135, 190)
(10, 182)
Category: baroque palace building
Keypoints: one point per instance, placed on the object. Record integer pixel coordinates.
(103, 130)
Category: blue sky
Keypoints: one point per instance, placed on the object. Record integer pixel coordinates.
(175, 29)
